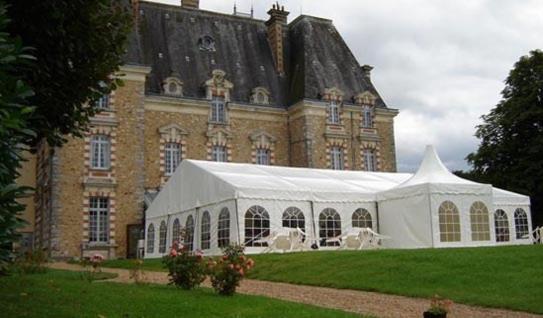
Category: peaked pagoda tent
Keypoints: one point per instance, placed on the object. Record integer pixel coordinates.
(435, 208)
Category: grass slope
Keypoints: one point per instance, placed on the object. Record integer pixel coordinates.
(506, 277)
(63, 294)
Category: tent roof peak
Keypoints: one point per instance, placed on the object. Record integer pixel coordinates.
(432, 170)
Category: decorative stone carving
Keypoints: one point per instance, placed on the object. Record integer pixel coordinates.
(172, 86)
(260, 95)
(218, 85)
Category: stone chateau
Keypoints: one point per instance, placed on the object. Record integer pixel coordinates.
(208, 86)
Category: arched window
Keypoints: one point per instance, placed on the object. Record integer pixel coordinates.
(205, 237)
(176, 231)
(449, 222)
(223, 235)
(329, 226)
(294, 218)
(163, 231)
(257, 225)
(502, 226)
(151, 239)
(189, 235)
(521, 224)
(480, 227)
(362, 219)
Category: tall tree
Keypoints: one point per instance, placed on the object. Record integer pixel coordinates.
(510, 154)
(78, 45)
(14, 129)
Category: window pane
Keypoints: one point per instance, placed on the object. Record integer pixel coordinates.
(257, 226)
(449, 222)
(205, 237)
(480, 227)
(224, 228)
(98, 219)
(329, 226)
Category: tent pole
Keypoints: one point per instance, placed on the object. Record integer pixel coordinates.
(377, 216)
(237, 219)
(431, 217)
(313, 222)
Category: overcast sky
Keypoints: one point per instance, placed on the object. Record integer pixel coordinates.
(441, 63)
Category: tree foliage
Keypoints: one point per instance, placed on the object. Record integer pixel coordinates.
(78, 45)
(14, 129)
(510, 154)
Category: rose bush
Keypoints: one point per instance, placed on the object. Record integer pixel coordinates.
(186, 269)
(227, 272)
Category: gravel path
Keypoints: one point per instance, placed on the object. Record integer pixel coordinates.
(361, 302)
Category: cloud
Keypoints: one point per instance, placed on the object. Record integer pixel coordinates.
(441, 63)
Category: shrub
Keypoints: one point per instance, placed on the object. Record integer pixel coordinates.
(186, 269)
(229, 270)
(31, 262)
(95, 263)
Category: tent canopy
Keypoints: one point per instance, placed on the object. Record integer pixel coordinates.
(200, 183)
(433, 177)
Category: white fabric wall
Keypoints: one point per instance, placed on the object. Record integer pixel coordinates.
(463, 202)
(407, 221)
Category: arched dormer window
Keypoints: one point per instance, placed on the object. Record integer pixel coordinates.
(172, 86)
(260, 95)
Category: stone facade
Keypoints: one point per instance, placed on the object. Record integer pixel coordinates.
(138, 126)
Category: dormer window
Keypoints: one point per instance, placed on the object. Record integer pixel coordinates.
(260, 95)
(173, 86)
(218, 110)
(333, 112)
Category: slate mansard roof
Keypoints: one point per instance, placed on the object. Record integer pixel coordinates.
(316, 57)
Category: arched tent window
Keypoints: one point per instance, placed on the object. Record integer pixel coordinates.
(480, 227)
(189, 235)
(151, 239)
(294, 218)
(257, 225)
(176, 231)
(163, 231)
(329, 226)
(362, 218)
(502, 226)
(223, 233)
(449, 222)
(521, 224)
(205, 237)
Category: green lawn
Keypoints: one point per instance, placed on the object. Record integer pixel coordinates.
(65, 294)
(506, 277)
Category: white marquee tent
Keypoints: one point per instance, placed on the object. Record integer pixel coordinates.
(222, 203)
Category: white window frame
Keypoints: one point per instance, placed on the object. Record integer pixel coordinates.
(162, 237)
(333, 112)
(103, 102)
(150, 239)
(172, 157)
(218, 110)
(329, 227)
(257, 226)
(450, 229)
(98, 220)
(100, 152)
(362, 218)
(370, 160)
(522, 227)
(480, 222)
(219, 154)
(189, 234)
(501, 226)
(337, 160)
(205, 233)
(367, 117)
(223, 228)
(263, 156)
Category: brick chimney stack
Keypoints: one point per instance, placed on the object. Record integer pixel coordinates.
(192, 4)
(277, 27)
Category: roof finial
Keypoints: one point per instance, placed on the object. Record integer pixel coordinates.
(252, 10)
(235, 8)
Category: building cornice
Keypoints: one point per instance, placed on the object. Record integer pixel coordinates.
(132, 72)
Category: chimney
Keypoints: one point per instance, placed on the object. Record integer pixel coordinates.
(366, 70)
(191, 4)
(277, 27)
